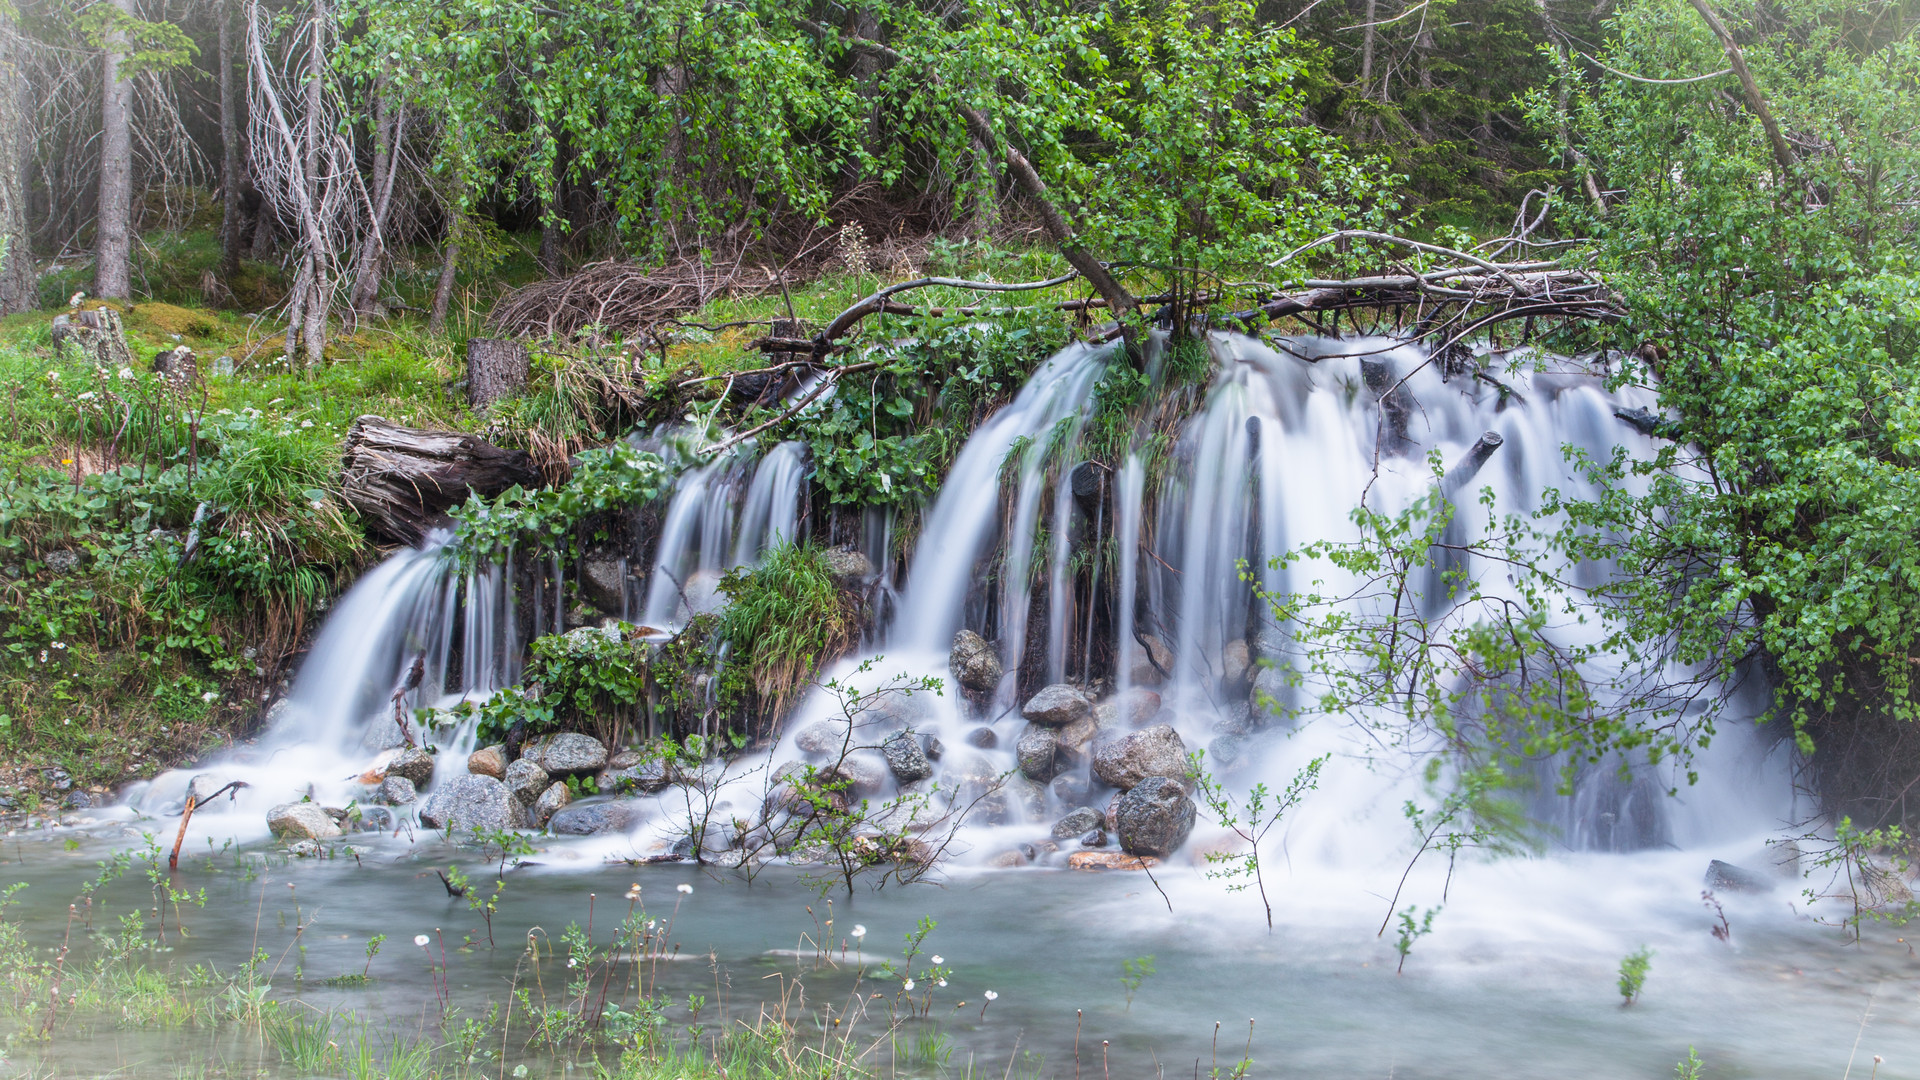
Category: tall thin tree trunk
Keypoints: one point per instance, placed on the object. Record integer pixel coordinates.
(231, 212)
(443, 292)
(16, 260)
(388, 123)
(551, 228)
(113, 226)
(315, 331)
(1367, 33)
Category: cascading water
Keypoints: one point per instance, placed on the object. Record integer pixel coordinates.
(723, 514)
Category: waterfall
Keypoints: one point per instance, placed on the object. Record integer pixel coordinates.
(723, 514)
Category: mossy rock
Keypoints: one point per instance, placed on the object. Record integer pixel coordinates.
(173, 319)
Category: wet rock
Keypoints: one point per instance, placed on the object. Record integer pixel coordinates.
(848, 568)
(973, 663)
(893, 711)
(1070, 789)
(527, 781)
(1726, 877)
(1152, 662)
(1057, 706)
(931, 747)
(473, 802)
(1095, 839)
(821, 737)
(1270, 693)
(1038, 752)
(624, 759)
(1007, 860)
(409, 761)
(1135, 708)
(488, 761)
(306, 849)
(864, 774)
(1154, 751)
(1029, 796)
(603, 581)
(1236, 663)
(1154, 817)
(1108, 860)
(1237, 719)
(906, 758)
(1077, 823)
(1078, 735)
(80, 800)
(588, 817)
(203, 786)
(398, 791)
(1881, 888)
(983, 737)
(302, 821)
(62, 561)
(1226, 752)
(550, 802)
(377, 818)
(567, 754)
(647, 777)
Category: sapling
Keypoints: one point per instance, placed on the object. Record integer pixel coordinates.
(1412, 930)
(1134, 972)
(1250, 821)
(1633, 974)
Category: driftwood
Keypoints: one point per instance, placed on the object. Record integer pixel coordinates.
(496, 368)
(404, 480)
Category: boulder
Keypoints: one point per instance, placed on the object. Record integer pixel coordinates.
(1152, 662)
(906, 758)
(647, 777)
(1226, 752)
(1271, 694)
(864, 774)
(821, 737)
(1039, 755)
(848, 568)
(1155, 751)
(1235, 719)
(1236, 663)
(1108, 860)
(932, 747)
(1135, 708)
(603, 581)
(590, 816)
(527, 781)
(488, 761)
(1095, 839)
(1077, 735)
(894, 710)
(973, 663)
(1007, 860)
(567, 754)
(1057, 706)
(62, 560)
(550, 802)
(473, 802)
(302, 821)
(1726, 877)
(203, 786)
(409, 761)
(1070, 789)
(983, 737)
(1078, 823)
(1154, 817)
(397, 791)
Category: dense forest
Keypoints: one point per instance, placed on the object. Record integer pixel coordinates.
(323, 206)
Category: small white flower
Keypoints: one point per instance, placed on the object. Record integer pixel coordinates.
(909, 985)
(210, 697)
(306, 423)
(59, 644)
(991, 995)
(859, 931)
(939, 959)
(127, 373)
(684, 889)
(942, 984)
(420, 940)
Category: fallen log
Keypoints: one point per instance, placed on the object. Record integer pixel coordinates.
(404, 480)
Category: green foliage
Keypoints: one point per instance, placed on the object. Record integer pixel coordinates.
(1134, 972)
(1690, 1068)
(1633, 974)
(1250, 820)
(606, 478)
(1414, 925)
(784, 620)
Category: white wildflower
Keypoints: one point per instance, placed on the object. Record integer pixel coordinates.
(127, 373)
(306, 423)
(859, 931)
(991, 995)
(909, 985)
(684, 889)
(942, 984)
(939, 960)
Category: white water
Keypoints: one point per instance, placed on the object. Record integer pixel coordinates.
(723, 514)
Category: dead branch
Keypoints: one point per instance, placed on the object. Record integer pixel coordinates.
(621, 297)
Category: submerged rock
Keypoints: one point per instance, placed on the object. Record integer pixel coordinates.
(302, 821)
(1135, 708)
(567, 754)
(488, 761)
(397, 791)
(1154, 817)
(1236, 663)
(983, 737)
(1078, 823)
(1070, 789)
(550, 802)
(409, 761)
(473, 802)
(1007, 860)
(1726, 877)
(1057, 706)
(973, 663)
(906, 758)
(863, 775)
(821, 737)
(527, 781)
(1108, 860)
(1155, 751)
(591, 816)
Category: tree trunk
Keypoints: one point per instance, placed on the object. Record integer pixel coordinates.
(388, 124)
(443, 292)
(113, 224)
(404, 480)
(16, 249)
(231, 215)
(496, 368)
(314, 309)
(1367, 33)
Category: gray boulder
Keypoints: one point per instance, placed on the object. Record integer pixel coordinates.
(906, 758)
(647, 777)
(302, 821)
(973, 663)
(821, 737)
(1152, 662)
(1726, 877)
(472, 802)
(849, 569)
(397, 791)
(550, 802)
(1038, 752)
(983, 737)
(1079, 823)
(590, 816)
(603, 580)
(1154, 817)
(1070, 789)
(567, 754)
(409, 761)
(865, 774)
(527, 781)
(1135, 708)
(1057, 706)
(1155, 751)
(1236, 663)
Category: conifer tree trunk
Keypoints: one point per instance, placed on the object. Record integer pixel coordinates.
(113, 226)
(443, 292)
(231, 210)
(16, 261)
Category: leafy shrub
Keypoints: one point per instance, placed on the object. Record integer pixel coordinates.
(784, 619)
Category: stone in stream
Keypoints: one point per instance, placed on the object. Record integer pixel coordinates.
(863, 774)
(931, 747)
(1095, 839)
(409, 761)
(1154, 817)
(1726, 877)
(848, 568)
(527, 781)
(1078, 823)
(567, 754)
(983, 737)
(1152, 662)
(1109, 860)
(973, 663)
(550, 802)
(397, 791)
(1270, 693)
(1057, 706)
(1226, 752)
(648, 777)
(1135, 708)
(821, 737)
(1155, 751)
(1038, 752)
(906, 758)
(1070, 789)
(1236, 663)
(302, 821)
(603, 581)
(488, 761)
(471, 802)
(591, 816)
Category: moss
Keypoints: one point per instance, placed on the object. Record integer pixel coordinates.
(172, 319)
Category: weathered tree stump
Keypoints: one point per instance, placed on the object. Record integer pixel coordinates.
(496, 368)
(177, 366)
(99, 335)
(404, 480)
